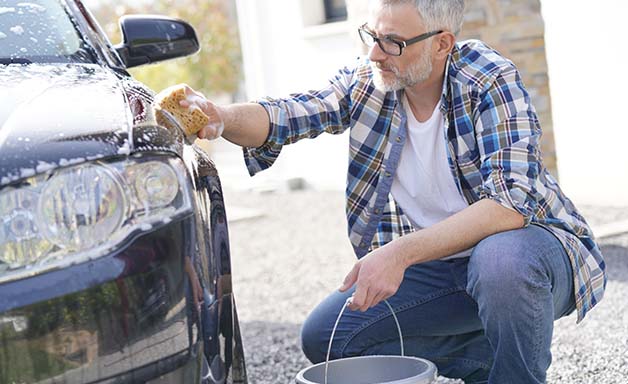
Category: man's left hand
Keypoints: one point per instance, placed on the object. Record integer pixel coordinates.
(378, 276)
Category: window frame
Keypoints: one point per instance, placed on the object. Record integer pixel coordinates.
(335, 12)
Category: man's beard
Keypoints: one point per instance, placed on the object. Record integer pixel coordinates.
(417, 73)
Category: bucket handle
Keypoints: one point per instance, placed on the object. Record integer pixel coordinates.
(333, 331)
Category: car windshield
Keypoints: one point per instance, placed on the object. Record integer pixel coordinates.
(39, 31)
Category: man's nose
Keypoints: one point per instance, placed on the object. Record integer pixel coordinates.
(376, 53)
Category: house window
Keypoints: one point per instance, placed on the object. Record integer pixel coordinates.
(335, 10)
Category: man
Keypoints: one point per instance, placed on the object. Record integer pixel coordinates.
(452, 215)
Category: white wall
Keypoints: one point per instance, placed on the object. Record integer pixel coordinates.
(285, 51)
(586, 52)
(283, 55)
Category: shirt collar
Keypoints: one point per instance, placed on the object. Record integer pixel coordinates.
(445, 97)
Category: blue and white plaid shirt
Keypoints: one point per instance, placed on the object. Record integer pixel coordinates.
(493, 149)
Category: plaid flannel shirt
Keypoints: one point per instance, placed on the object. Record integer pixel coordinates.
(493, 150)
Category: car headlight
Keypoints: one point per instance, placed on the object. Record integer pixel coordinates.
(20, 239)
(81, 207)
(85, 211)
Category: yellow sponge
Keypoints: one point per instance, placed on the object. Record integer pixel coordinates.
(191, 119)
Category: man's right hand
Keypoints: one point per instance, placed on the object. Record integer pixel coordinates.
(195, 99)
(245, 124)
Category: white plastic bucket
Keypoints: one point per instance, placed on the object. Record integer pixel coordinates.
(378, 369)
(371, 370)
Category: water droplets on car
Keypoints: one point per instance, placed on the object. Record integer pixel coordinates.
(17, 29)
(31, 7)
(66, 162)
(27, 172)
(28, 25)
(4, 10)
(125, 149)
(43, 166)
(95, 157)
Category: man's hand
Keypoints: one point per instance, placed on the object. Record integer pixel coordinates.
(245, 124)
(216, 125)
(378, 276)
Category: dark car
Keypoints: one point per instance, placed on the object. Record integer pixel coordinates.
(114, 249)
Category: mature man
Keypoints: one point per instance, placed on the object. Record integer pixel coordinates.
(450, 210)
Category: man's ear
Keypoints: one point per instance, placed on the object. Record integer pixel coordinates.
(444, 43)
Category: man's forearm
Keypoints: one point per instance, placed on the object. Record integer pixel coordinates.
(246, 124)
(456, 233)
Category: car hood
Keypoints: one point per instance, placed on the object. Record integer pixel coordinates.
(56, 115)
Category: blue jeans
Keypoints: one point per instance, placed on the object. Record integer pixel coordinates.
(487, 318)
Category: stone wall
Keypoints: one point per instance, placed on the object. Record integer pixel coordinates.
(515, 29)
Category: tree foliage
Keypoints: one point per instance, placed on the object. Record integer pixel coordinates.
(215, 69)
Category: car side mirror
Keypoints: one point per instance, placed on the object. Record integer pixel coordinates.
(150, 39)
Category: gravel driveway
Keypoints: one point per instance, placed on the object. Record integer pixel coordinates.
(289, 258)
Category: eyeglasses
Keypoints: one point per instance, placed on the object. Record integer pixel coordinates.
(389, 45)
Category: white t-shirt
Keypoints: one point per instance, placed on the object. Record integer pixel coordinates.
(423, 185)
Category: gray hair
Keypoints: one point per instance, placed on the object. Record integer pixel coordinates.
(437, 14)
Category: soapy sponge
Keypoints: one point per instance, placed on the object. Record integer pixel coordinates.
(191, 119)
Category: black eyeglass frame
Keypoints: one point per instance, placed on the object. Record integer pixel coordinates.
(400, 43)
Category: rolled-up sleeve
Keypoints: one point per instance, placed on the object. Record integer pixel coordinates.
(508, 134)
(302, 116)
